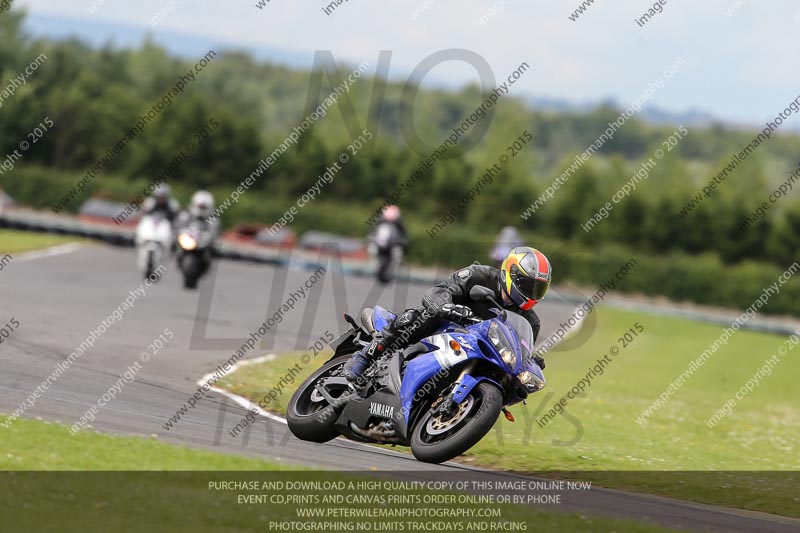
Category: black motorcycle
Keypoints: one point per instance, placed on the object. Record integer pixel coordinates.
(195, 252)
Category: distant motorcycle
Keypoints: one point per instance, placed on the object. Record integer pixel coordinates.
(440, 396)
(195, 251)
(387, 246)
(153, 243)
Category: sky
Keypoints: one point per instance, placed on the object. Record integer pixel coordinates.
(740, 55)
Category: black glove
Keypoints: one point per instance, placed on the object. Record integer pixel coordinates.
(455, 313)
(539, 361)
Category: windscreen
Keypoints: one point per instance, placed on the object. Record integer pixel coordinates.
(524, 333)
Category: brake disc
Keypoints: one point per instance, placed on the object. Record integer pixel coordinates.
(437, 426)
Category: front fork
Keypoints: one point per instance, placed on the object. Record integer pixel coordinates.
(463, 385)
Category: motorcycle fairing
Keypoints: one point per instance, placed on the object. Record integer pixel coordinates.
(442, 356)
(360, 410)
(383, 404)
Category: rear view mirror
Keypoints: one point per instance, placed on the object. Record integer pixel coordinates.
(479, 292)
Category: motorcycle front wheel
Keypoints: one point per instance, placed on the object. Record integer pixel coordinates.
(384, 273)
(191, 267)
(150, 265)
(437, 438)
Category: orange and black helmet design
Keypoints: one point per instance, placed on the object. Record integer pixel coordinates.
(526, 276)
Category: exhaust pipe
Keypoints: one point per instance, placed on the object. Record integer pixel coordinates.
(376, 433)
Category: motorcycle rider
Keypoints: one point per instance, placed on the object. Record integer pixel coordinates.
(389, 235)
(161, 201)
(391, 215)
(508, 239)
(201, 206)
(520, 282)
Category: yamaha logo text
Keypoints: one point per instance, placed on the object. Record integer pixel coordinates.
(378, 409)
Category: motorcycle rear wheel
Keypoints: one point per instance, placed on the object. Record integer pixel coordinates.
(309, 419)
(434, 440)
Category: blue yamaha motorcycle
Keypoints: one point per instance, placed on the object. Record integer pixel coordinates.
(439, 396)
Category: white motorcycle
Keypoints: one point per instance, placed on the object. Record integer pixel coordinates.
(153, 243)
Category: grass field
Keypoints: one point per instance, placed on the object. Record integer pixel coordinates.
(739, 462)
(16, 242)
(38, 445)
(115, 495)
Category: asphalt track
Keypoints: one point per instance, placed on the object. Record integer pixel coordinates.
(59, 299)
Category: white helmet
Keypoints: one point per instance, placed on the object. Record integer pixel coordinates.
(163, 192)
(202, 204)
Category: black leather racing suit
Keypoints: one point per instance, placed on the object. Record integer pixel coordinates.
(418, 323)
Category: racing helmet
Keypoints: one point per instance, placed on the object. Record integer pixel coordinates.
(201, 204)
(526, 276)
(162, 192)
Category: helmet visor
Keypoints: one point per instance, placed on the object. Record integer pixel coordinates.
(535, 289)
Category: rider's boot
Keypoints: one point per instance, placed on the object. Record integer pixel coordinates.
(360, 361)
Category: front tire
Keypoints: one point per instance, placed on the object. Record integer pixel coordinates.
(384, 268)
(190, 265)
(150, 261)
(434, 440)
(309, 419)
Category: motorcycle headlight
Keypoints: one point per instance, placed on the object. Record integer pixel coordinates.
(531, 381)
(187, 242)
(509, 357)
(495, 335)
(500, 341)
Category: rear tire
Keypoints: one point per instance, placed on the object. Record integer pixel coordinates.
(487, 402)
(309, 420)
